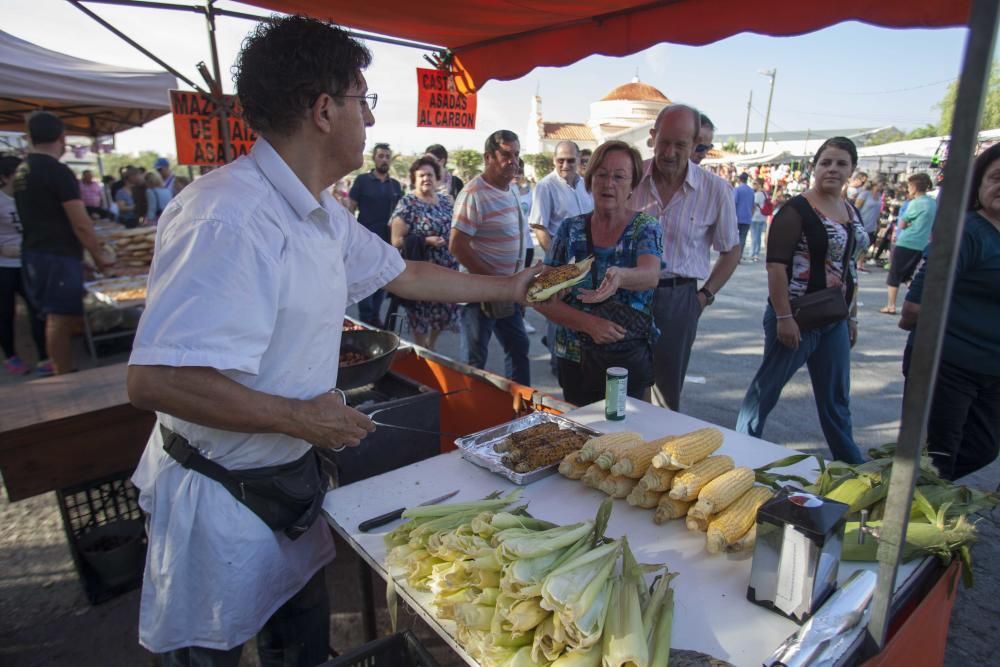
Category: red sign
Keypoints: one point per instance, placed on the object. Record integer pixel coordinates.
(198, 129)
(439, 104)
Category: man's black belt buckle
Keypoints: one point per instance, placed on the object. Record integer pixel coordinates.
(675, 282)
(177, 446)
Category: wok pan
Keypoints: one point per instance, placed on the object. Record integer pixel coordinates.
(378, 346)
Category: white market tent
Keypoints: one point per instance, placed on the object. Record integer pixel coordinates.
(93, 99)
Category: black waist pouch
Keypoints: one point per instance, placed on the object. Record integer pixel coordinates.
(286, 497)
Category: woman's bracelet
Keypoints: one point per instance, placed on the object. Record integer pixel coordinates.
(784, 317)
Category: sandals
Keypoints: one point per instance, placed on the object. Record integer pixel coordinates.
(885, 310)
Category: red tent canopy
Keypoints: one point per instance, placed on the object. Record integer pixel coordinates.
(500, 39)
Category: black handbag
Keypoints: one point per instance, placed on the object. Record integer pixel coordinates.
(820, 305)
(286, 497)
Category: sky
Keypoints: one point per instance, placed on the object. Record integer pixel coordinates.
(850, 75)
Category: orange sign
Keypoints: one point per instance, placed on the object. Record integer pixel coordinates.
(199, 132)
(439, 104)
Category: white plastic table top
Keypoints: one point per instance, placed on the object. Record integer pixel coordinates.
(712, 613)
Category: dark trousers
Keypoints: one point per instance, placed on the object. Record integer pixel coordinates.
(12, 284)
(477, 329)
(963, 429)
(297, 635)
(744, 230)
(676, 311)
(579, 390)
(370, 309)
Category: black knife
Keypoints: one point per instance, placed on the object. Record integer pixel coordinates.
(389, 517)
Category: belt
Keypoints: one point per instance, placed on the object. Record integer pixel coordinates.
(676, 282)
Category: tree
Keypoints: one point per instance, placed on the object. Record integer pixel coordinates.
(731, 146)
(928, 130)
(540, 162)
(991, 105)
(885, 136)
(112, 162)
(467, 163)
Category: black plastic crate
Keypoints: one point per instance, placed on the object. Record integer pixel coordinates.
(398, 650)
(106, 513)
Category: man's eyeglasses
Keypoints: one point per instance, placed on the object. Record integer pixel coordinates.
(703, 148)
(371, 99)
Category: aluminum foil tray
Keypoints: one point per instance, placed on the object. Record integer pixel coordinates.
(478, 447)
(111, 290)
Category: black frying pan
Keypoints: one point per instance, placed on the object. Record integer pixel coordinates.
(378, 346)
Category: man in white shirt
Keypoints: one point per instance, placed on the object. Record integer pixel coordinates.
(697, 212)
(238, 349)
(559, 195)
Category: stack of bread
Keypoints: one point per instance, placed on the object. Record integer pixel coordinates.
(133, 249)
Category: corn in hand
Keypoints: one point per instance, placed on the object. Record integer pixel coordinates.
(722, 492)
(617, 486)
(635, 460)
(593, 447)
(668, 509)
(686, 450)
(688, 483)
(734, 521)
(572, 467)
(657, 479)
(546, 285)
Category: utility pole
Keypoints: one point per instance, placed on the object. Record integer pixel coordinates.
(767, 117)
(746, 130)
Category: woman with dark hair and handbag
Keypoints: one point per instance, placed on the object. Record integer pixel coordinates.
(607, 320)
(811, 314)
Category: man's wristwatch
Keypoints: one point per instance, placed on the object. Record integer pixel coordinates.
(709, 297)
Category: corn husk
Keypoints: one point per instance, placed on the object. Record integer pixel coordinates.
(578, 592)
(625, 641)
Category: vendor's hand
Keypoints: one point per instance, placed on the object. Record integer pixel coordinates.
(702, 301)
(520, 281)
(326, 422)
(605, 331)
(435, 241)
(788, 333)
(611, 283)
(852, 332)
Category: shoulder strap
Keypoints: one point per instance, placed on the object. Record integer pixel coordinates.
(816, 241)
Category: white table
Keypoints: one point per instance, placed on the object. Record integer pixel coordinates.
(712, 613)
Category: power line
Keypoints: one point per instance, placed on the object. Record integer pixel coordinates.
(869, 118)
(888, 92)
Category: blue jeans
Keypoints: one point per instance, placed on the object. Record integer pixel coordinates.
(827, 354)
(370, 309)
(756, 236)
(477, 329)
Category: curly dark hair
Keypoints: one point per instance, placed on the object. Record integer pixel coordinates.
(286, 63)
(424, 161)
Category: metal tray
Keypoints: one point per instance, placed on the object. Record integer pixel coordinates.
(478, 447)
(105, 289)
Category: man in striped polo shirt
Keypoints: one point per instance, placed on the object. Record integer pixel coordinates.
(487, 238)
(697, 212)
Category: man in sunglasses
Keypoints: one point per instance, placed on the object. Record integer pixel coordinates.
(703, 143)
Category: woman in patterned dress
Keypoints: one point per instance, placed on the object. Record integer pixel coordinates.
(825, 350)
(420, 227)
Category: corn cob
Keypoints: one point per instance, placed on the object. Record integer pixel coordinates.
(572, 467)
(530, 449)
(734, 521)
(593, 447)
(515, 439)
(696, 523)
(745, 543)
(614, 452)
(640, 497)
(689, 482)
(617, 486)
(722, 492)
(657, 479)
(684, 451)
(634, 461)
(546, 285)
(594, 476)
(667, 508)
(549, 454)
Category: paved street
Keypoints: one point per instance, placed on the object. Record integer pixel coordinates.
(44, 618)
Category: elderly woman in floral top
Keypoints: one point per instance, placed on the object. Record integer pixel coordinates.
(607, 319)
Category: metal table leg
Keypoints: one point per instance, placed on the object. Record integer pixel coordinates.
(368, 625)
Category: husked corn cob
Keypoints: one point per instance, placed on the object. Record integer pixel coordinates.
(515, 439)
(734, 521)
(686, 450)
(572, 467)
(697, 523)
(617, 486)
(530, 449)
(640, 497)
(688, 483)
(546, 285)
(549, 453)
(614, 453)
(745, 543)
(722, 492)
(593, 447)
(633, 461)
(667, 509)
(657, 479)
(594, 476)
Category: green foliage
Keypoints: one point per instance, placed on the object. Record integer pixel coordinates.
(467, 163)
(731, 146)
(114, 161)
(991, 105)
(885, 136)
(540, 162)
(928, 130)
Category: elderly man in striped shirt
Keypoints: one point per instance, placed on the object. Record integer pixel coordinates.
(697, 213)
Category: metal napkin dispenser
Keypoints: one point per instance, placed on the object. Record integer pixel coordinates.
(797, 553)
